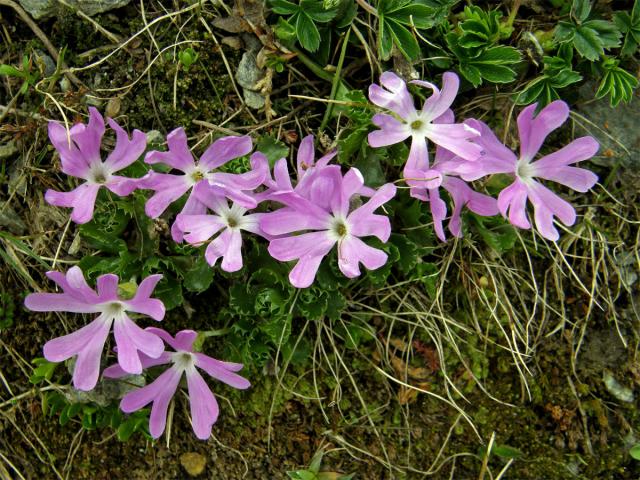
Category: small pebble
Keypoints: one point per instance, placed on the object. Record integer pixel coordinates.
(193, 463)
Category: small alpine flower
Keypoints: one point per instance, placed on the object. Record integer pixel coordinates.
(425, 185)
(420, 125)
(88, 342)
(183, 360)
(170, 187)
(555, 166)
(79, 150)
(229, 221)
(331, 222)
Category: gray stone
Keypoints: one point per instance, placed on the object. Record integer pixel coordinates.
(615, 128)
(48, 8)
(248, 75)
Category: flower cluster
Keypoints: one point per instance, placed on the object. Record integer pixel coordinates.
(302, 221)
(137, 349)
(470, 150)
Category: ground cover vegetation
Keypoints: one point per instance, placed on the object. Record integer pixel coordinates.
(320, 240)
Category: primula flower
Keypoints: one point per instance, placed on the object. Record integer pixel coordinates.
(88, 342)
(426, 186)
(420, 125)
(229, 221)
(79, 150)
(307, 168)
(556, 167)
(170, 187)
(204, 406)
(335, 224)
(425, 183)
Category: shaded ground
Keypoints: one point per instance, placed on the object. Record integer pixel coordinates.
(520, 355)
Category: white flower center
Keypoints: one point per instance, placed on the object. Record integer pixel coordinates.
(98, 174)
(339, 228)
(525, 171)
(114, 309)
(197, 175)
(183, 360)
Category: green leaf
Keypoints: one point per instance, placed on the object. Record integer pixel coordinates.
(285, 31)
(283, 7)
(11, 71)
(272, 148)
(635, 451)
(317, 12)
(404, 40)
(385, 39)
(307, 32)
(587, 43)
(580, 9)
(199, 278)
(505, 451)
(496, 233)
(607, 32)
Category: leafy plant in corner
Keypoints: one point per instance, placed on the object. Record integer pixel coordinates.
(616, 82)
(474, 43)
(590, 36)
(629, 26)
(303, 20)
(28, 76)
(557, 74)
(396, 18)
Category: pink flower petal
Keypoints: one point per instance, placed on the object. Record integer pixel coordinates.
(204, 407)
(116, 371)
(222, 371)
(223, 150)
(130, 339)
(179, 156)
(126, 150)
(352, 251)
(168, 188)
(142, 303)
(160, 393)
(534, 129)
(513, 200)
(391, 131)
(455, 138)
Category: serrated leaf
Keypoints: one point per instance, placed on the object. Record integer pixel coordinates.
(307, 32)
(587, 43)
(607, 32)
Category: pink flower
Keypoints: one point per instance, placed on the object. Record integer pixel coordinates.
(204, 406)
(229, 221)
(170, 187)
(420, 125)
(556, 167)
(307, 167)
(88, 342)
(425, 186)
(327, 213)
(79, 150)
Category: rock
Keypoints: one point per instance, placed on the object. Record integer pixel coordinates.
(621, 125)
(193, 463)
(248, 75)
(48, 8)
